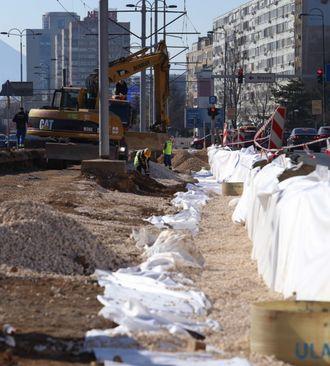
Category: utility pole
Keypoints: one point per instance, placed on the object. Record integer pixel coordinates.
(143, 73)
(103, 45)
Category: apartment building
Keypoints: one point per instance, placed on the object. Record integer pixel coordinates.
(269, 36)
(199, 71)
(76, 47)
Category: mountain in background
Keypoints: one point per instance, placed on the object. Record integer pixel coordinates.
(10, 63)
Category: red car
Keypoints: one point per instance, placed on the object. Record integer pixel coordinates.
(324, 132)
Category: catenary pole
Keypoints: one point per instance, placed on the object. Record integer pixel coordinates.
(104, 149)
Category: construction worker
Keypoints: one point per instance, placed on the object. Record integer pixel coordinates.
(121, 90)
(141, 161)
(168, 152)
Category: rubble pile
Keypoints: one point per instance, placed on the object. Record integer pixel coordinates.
(159, 171)
(186, 161)
(192, 164)
(34, 236)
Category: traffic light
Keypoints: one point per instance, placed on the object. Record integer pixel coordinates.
(319, 74)
(240, 76)
(213, 111)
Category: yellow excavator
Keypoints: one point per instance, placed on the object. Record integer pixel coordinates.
(72, 120)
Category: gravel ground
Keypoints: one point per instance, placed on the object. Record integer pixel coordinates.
(49, 308)
(76, 205)
(230, 280)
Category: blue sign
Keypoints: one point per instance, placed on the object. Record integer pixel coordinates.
(193, 118)
(197, 117)
(327, 73)
(213, 99)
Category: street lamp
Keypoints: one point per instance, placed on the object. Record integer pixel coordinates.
(164, 15)
(224, 103)
(143, 72)
(20, 33)
(320, 15)
(144, 9)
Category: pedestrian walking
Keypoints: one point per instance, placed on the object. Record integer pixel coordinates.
(168, 152)
(141, 161)
(21, 119)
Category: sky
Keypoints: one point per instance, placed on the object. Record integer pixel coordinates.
(28, 14)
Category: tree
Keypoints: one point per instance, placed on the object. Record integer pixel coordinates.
(231, 54)
(235, 61)
(294, 96)
(262, 102)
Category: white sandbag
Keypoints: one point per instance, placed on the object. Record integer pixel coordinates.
(140, 303)
(187, 219)
(232, 166)
(170, 241)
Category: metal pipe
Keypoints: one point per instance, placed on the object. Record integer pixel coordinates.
(155, 34)
(324, 73)
(104, 150)
(225, 81)
(143, 72)
(164, 21)
(21, 61)
(151, 92)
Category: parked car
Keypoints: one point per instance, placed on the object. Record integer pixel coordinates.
(324, 132)
(246, 134)
(303, 135)
(286, 135)
(3, 141)
(198, 143)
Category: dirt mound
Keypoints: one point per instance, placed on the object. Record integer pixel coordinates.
(201, 154)
(159, 171)
(35, 236)
(137, 183)
(179, 157)
(192, 164)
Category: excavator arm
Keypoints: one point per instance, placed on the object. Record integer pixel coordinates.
(137, 62)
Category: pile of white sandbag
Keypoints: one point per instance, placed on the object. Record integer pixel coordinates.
(289, 225)
(232, 166)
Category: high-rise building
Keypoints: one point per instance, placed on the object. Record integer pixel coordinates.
(40, 50)
(76, 47)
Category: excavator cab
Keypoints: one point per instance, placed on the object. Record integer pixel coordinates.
(70, 99)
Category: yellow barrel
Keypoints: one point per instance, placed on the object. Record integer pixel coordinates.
(232, 188)
(297, 332)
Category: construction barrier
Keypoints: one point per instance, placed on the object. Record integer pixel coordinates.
(232, 188)
(294, 332)
(288, 223)
(277, 128)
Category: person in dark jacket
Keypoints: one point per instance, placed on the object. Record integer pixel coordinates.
(141, 161)
(121, 90)
(21, 119)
